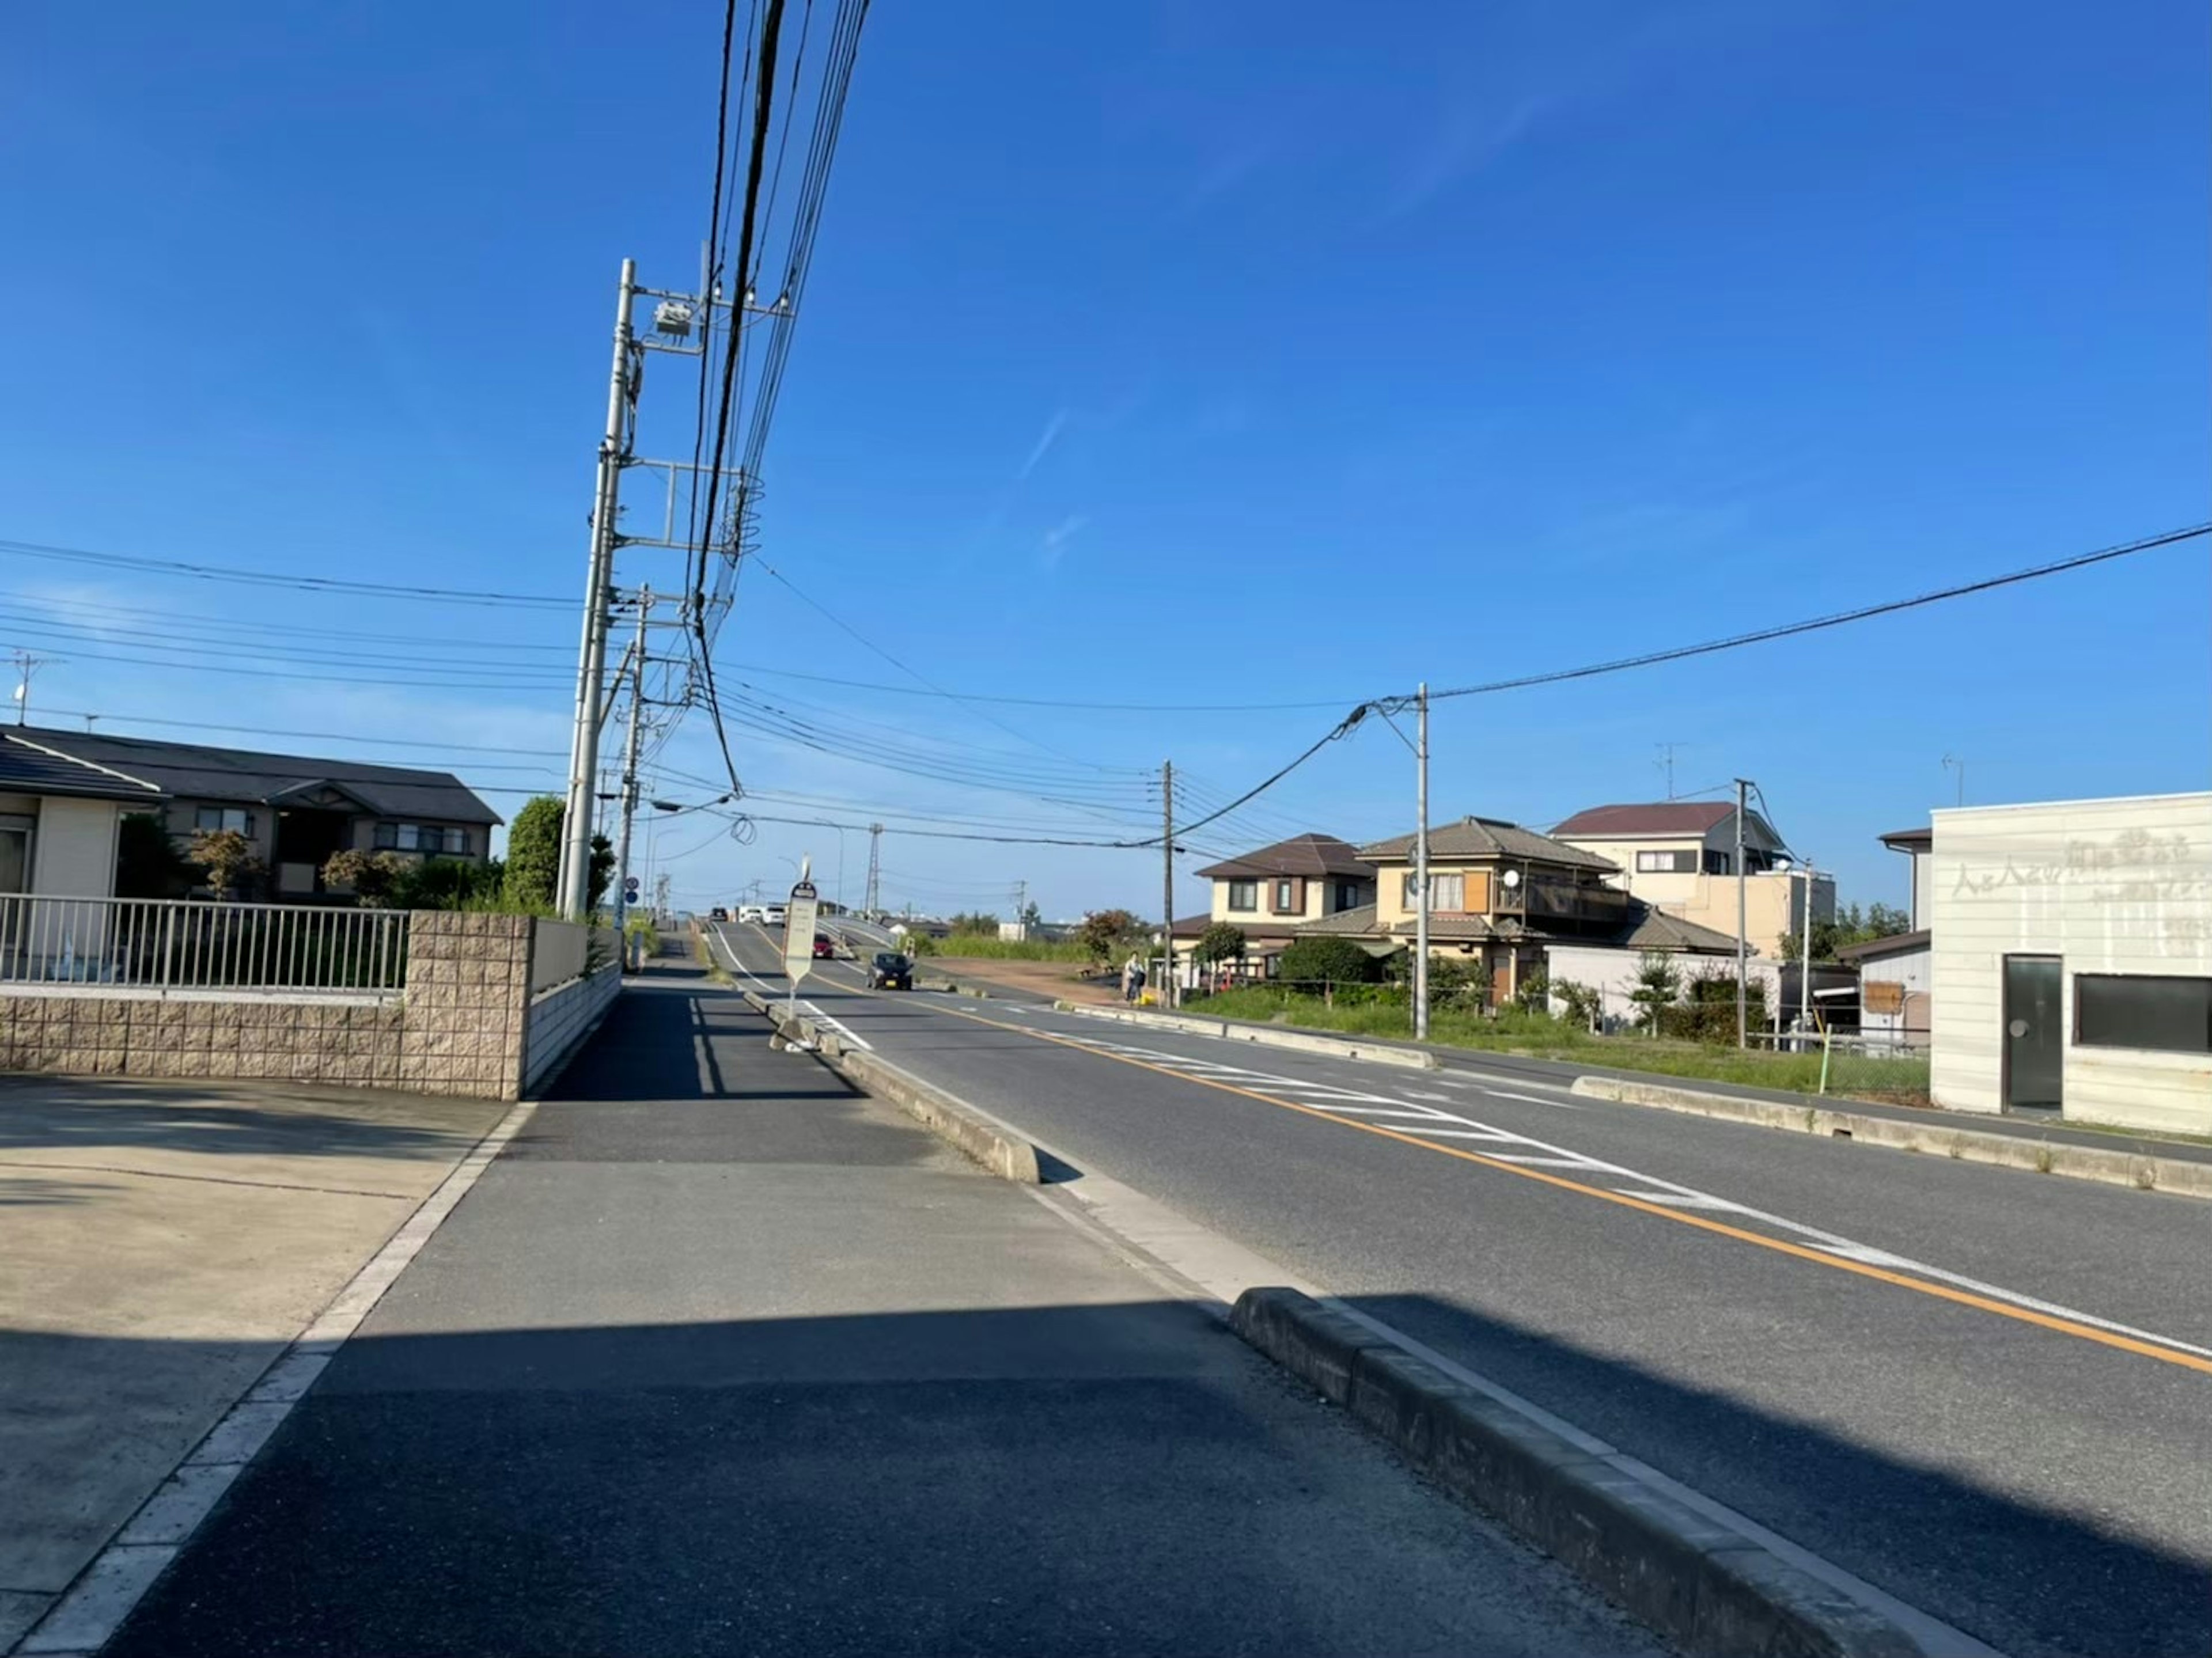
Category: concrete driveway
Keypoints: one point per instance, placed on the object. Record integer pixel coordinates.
(160, 1244)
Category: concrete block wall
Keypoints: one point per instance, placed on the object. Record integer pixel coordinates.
(352, 1042)
(468, 982)
(560, 1019)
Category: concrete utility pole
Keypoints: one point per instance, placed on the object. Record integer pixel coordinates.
(1167, 883)
(573, 889)
(629, 765)
(875, 899)
(26, 665)
(1805, 969)
(1742, 925)
(1421, 868)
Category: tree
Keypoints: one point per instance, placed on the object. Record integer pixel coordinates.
(147, 862)
(226, 858)
(533, 852)
(1104, 931)
(1658, 981)
(1849, 927)
(976, 921)
(1032, 917)
(373, 876)
(600, 874)
(1325, 960)
(1222, 941)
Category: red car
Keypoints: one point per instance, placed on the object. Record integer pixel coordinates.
(823, 948)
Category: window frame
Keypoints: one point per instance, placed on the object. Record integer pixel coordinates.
(2079, 1031)
(1646, 864)
(1283, 894)
(1250, 891)
(222, 815)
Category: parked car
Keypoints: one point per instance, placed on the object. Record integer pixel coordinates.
(891, 971)
(824, 947)
(718, 913)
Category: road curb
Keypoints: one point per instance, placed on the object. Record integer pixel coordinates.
(982, 1138)
(1240, 1031)
(2110, 1167)
(1710, 1587)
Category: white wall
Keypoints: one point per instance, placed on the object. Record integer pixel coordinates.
(2108, 886)
(1612, 973)
(1915, 969)
(74, 856)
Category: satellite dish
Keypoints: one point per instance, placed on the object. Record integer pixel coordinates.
(1512, 878)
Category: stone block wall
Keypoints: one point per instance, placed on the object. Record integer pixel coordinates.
(468, 987)
(466, 1024)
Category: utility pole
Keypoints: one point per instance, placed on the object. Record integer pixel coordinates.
(1021, 906)
(1167, 883)
(1742, 925)
(875, 899)
(26, 665)
(1667, 750)
(1421, 867)
(1952, 762)
(629, 768)
(574, 878)
(1805, 968)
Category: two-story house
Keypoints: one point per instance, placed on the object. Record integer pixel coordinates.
(1271, 892)
(295, 811)
(1678, 856)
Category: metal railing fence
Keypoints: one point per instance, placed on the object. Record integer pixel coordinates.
(176, 943)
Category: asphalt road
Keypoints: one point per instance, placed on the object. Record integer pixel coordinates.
(1987, 1393)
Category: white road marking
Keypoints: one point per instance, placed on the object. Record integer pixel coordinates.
(1543, 1154)
(780, 993)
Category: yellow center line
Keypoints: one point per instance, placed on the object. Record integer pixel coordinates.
(1801, 1251)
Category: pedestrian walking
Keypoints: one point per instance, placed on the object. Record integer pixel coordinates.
(1132, 978)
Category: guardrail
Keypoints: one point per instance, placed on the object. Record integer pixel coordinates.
(163, 943)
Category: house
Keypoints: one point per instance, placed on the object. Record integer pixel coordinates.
(66, 792)
(1517, 902)
(1897, 975)
(1680, 856)
(2072, 946)
(1270, 893)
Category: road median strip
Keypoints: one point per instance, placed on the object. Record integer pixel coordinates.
(1341, 1048)
(1712, 1589)
(980, 1136)
(2176, 1177)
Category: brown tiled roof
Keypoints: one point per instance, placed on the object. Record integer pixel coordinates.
(1657, 930)
(1355, 923)
(1302, 854)
(1655, 817)
(1481, 838)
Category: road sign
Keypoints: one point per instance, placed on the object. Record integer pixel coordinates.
(629, 888)
(799, 918)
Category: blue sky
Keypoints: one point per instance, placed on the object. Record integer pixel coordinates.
(1179, 354)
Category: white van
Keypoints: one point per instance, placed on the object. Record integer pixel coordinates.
(774, 914)
(752, 913)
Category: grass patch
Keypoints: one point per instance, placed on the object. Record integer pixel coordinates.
(704, 953)
(1516, 1031)
(988, 947)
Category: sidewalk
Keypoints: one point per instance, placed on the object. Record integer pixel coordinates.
(720, 1357)
(160, 1244)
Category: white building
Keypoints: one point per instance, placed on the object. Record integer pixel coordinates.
(2073, 959)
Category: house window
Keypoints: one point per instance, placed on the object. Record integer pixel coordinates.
(1286, 901)
(15, 853)
(237, 819)
(1347, 895)
(420, 837)
(1666, 863)
(1720, 862)
(1447, 893)
(2165, 1014)
(1243, 895)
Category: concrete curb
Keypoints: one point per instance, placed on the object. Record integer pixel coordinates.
(1710, 1587)
(984, 1139)
(1240, 1031)
(2111, 1166)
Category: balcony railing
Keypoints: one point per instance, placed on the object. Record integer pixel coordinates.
(160, 944)
(1542, 900)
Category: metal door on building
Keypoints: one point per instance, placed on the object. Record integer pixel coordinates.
(2034, 1034)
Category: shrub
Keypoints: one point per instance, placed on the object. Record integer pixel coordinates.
(226, 858)
(1582, 1003)
(147, 862)
(1104, 931)
(534, 851)
(1658, 982)
(373, 876)
(1535, 993)
(1309, 964)
(1457, 981)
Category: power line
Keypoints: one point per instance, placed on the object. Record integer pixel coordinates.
(1788, 630)
(266, 579)
(67, 612)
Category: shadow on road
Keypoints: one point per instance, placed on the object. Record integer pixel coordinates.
(246, 1118)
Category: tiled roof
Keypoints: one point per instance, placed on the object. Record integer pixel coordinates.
(1302, 854)
(27, 767)
(1356, 923)
(1657, 930)
(201, 772)
(1654, 818)
(1484, 838)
